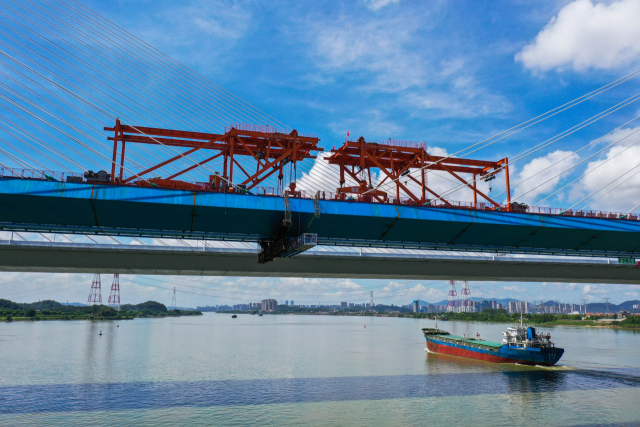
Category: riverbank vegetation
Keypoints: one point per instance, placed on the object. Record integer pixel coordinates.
(488, 315)
(52, 310)
(501, 315)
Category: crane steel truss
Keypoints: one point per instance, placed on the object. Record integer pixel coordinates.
(396, 159)
(270, 148)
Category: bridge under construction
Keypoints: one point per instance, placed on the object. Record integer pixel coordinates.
(184, 159)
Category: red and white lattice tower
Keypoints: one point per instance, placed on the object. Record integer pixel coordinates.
(466, 305)
(453, 303)
(173, 300)
(95, 296)
(114, 296)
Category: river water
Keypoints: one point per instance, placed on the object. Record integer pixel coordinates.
(294, 370)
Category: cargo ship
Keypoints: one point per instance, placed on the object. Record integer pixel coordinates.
(520, 344)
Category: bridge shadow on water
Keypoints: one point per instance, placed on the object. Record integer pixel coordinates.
(149, 395)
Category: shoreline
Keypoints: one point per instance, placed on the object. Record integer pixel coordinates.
(559, 322)
(71, 318)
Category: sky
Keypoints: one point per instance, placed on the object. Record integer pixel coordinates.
(450, 73)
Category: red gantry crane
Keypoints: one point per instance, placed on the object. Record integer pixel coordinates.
(270, 148)
(396, 159)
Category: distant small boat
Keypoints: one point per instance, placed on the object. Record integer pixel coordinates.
(259, 314)
(100, 333)
(234, 317)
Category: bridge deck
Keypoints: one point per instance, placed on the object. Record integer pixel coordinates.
(123, 210)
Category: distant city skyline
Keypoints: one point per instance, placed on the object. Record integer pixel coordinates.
(200, 291)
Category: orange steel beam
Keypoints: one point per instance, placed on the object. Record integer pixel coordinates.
(430, 191)
(398, 183)
(267, 166)
(241, 168)
(265, 176)
(122, 160)
(116, 132)
(394, 160)
(264, 145)
(194, 166)
(166, 162)
(474, 189)
(388, 164)
(304, 150)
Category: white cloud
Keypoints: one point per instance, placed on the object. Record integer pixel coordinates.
(373, 122)
(379, 4)
(198, 31)
(546, 168)
(621, 160)
(586, 35)
(381, 56)
(376, 46)
(463, 97)
(596, 289)
(514, 289)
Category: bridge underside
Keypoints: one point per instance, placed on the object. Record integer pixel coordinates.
(125, 259)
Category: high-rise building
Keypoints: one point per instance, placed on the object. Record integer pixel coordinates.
(344, 305)
(292, 303)
(269, 304)
(415, 306)
(286, 302)
(519, 307)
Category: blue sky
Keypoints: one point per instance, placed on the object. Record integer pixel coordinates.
(448, 73)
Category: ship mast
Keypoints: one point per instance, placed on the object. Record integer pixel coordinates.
(521, 325)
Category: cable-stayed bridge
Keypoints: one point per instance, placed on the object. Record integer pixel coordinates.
(148, 149)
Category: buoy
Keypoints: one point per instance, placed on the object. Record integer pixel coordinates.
(118, 325)
(365, 326)
(100, 333)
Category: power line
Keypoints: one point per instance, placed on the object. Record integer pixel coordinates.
(555, 111)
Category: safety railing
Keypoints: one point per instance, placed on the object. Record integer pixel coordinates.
(306, 239)
(394, 143)
(45, 175)
(263, 129)
(406, 144)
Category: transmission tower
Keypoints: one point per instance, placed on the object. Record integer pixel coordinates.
(453, 303)
(607, 301)
(95, 296)
(114, 296)
(173, 300)
(371, 299)
(467, 304)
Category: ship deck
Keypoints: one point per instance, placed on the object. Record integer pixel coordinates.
(467, 341)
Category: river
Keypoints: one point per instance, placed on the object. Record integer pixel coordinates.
(294, 370)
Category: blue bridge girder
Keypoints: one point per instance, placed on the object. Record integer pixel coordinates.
(49, 206)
